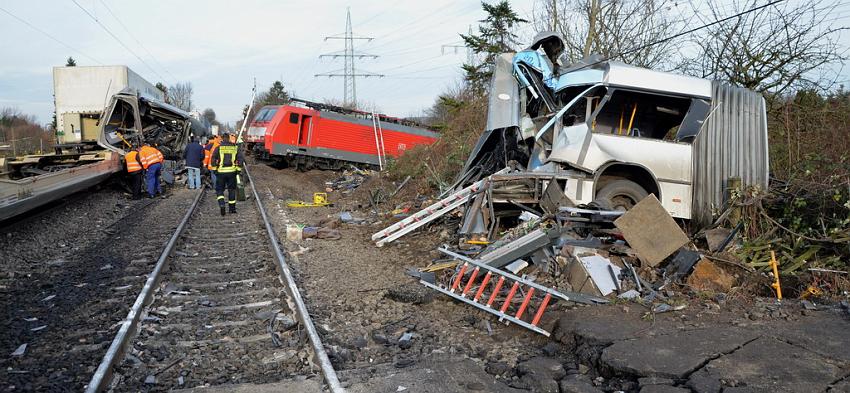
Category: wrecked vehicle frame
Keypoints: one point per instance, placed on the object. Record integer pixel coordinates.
(611, 133)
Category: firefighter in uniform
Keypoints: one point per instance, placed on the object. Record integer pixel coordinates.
(226, 158)
(151, 159)
(134, 169)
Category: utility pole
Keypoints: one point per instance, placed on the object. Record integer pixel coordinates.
(469, 54)
(349, 72)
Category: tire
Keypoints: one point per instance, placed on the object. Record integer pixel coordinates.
(621, 195)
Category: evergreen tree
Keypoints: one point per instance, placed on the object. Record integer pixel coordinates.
(276, 95)
(495, 36)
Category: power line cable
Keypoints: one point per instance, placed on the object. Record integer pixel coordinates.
(118, 39)
(409, 32)
(48, 35)
(677, 35)
(174, 79)
(371, 18)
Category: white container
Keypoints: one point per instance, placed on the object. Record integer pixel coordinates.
(83, 91)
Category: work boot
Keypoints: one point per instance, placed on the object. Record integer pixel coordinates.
(232, 209)
(222, 210)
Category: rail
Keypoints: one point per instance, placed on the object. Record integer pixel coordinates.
(318, 348)
(129, 326)
(103, 374)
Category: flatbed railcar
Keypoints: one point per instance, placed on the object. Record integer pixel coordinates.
(328, 137)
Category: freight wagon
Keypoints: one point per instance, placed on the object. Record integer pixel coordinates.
(328, 137)
(257, 128)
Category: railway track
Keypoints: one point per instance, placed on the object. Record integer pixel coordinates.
(220, 307)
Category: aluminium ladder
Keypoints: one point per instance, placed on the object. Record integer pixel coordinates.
(472, 292)
(431, 212)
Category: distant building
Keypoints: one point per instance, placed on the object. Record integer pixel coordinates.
(81, 92)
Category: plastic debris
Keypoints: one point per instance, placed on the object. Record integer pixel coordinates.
(20, 351)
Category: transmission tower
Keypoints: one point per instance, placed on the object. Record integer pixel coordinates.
(349, 72)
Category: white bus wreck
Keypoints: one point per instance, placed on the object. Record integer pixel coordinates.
(609, 133)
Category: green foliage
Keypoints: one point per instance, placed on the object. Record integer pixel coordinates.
(276, 95)
(495, 36)
(71, 62)
(459, 117)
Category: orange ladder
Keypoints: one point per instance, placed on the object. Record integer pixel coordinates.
(472, 292)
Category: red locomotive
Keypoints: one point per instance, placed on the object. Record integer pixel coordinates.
(257, 128)
(328, 137)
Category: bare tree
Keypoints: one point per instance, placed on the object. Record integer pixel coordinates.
(21, 134)
(619, 30)
(787, 45)
(180, 95)
(210, 115)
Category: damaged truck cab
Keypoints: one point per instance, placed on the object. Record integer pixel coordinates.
(131, 120)
(612, 133)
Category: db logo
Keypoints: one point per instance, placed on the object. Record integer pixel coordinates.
(402, 147)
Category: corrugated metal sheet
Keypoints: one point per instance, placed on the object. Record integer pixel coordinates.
(733, 143)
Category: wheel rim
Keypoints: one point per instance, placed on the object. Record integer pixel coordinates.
(622, 202)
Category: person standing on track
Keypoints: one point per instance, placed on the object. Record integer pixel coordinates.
(151, 160)
(208, 149)
(226, 158)
(134, 169)
(194, 156)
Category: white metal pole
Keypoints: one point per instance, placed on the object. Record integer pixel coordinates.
(377, 142)
(381, 134)
(247, 115)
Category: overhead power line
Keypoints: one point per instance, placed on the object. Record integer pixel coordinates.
(137, 41)
(677, 35)
(119, 40)
(48, 35)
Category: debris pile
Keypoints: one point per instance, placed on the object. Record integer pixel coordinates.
(520, 247)
(349, 181)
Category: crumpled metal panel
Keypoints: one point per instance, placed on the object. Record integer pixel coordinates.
(504, 107)
(733, 143)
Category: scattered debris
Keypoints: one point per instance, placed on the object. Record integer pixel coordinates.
(293, 232)
(405, 341)
(20, 351)
(320, 199)
(350, 180)
(707, 276)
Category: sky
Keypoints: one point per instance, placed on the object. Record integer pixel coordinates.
(222, 46)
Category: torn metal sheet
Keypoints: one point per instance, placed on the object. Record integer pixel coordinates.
(599, 270)
(130, 120)
(519, 248)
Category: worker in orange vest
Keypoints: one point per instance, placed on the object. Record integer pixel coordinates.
(151, 160)
(134, 169)
(208, 149)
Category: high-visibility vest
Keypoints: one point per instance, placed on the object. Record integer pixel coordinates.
(227, 158)
(207, 154)
(149, 156)
(209, 162)
(133, 164)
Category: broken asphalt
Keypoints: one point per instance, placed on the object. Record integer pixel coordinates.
(784, 349)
